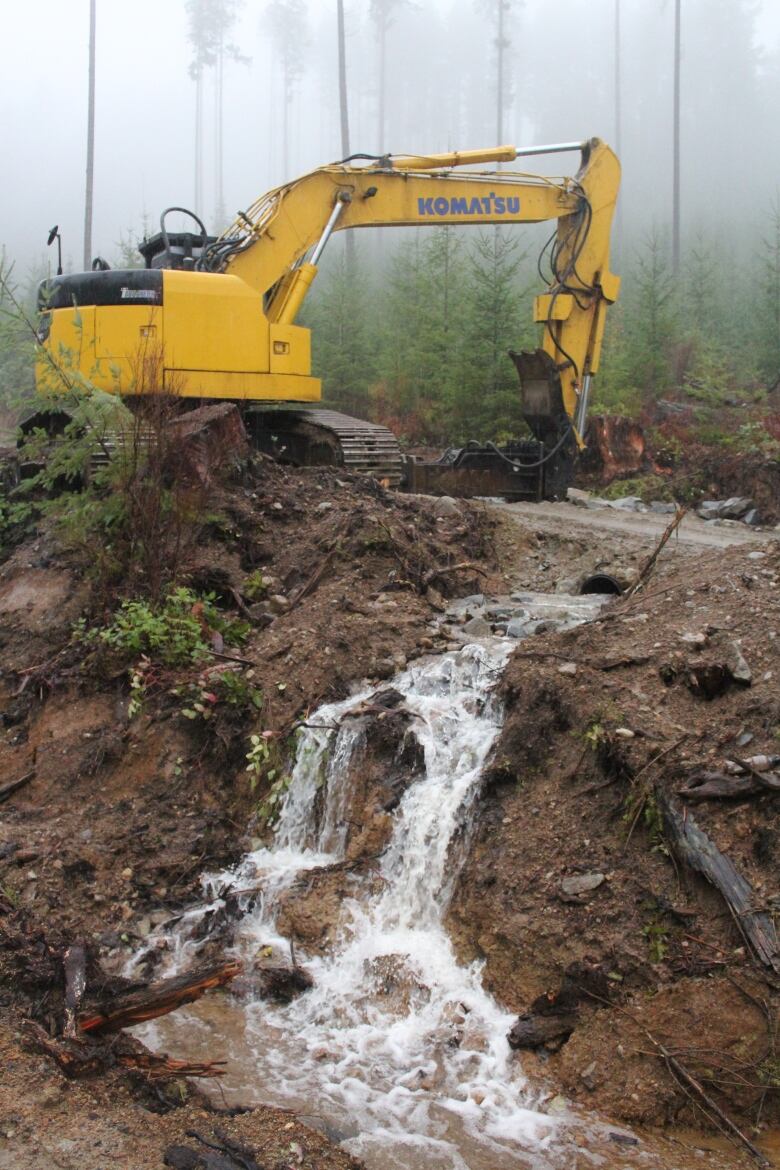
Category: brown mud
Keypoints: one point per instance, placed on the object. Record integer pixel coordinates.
(118, 817)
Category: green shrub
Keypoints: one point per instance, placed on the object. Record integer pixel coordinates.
(175, 632)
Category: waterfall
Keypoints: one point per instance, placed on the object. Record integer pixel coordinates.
(397, 1045)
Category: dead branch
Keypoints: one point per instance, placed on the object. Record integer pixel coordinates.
(649, 565)
(689, 1084)
(695, 848)
(161, 1067)
(315, 578)
(8, 789)
(442, 571)
(158, 998)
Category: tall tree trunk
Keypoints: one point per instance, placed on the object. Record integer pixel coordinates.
(676, 145)
(343, 106)
(382, 32)
(287, 95)
(219, 186)
(500, 74)
(90, 142)
(618, 122)
(199, 141)
(344, 112)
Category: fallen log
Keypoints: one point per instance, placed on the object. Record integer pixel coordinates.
(720, 786)
(695, 849)
(157, 999)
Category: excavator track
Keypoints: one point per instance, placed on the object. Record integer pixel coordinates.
(327, 437)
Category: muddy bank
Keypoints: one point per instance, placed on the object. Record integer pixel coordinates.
(572, 868)
(117, 813)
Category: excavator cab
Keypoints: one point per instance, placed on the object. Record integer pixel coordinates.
(176, 249)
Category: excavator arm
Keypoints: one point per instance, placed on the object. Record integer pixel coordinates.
(276, 244)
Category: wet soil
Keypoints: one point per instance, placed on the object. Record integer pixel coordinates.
(602, 722)
(120, 816)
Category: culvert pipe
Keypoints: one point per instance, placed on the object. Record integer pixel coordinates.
(601, 583)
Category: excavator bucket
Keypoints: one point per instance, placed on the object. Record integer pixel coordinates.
(541, 395)
(541, 468)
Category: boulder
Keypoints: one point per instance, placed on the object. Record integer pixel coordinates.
(446, 507)
(735, 508)
(629, 504)
(477, 627)
(662, 508)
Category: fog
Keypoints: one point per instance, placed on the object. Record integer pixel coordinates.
(441, 94)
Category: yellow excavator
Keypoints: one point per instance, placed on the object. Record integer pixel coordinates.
(214, 318)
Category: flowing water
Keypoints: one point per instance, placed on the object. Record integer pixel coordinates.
(397, 1047)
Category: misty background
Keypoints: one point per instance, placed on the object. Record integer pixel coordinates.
(418, 328)
(440, 94)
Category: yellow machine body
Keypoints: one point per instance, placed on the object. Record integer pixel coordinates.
(230, 332)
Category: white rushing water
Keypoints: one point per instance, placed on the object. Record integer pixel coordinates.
(396, 1045)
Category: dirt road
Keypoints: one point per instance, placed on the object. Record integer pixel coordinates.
(565, 517)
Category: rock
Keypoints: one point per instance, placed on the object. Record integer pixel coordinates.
(623, 1139)
(278, 603)
(735, 508)
(259, 614)
(325, 506)
(473, 601)
(582, 883)
(517, 628)
(127, 874)
(695, 640)
(709, 509)
(629, 504)
(740, 671)
(446, 507)
(752, 518)
(499, 613)
(662, 508)
(588, 1076)
(558, 1105)
(756, 556)
(577, 496)
(477, 627)
(567, 668)
(595, 502)
(435, 599)
(570, 585)
(625, 733)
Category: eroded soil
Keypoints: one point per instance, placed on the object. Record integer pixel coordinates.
(119, 816)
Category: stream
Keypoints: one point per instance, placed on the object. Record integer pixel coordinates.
(424, 1076)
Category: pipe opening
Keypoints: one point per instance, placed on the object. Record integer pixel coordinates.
(601, 583)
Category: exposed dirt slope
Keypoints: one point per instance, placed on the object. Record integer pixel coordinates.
(571, 861)
(118, 816)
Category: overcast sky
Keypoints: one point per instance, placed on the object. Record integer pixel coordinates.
(145, 101)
